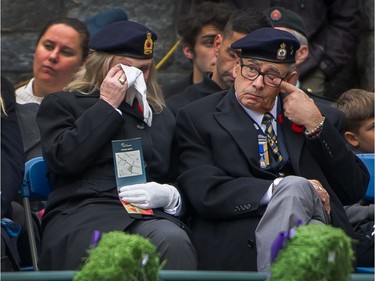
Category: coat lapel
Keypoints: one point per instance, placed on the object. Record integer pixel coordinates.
(294, 141)
(238, 124)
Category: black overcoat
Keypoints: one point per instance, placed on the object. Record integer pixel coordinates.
(76, 133)
(221, 177)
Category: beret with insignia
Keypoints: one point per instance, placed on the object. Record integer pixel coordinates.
(268, 44)
(125, 38)
(282, 17)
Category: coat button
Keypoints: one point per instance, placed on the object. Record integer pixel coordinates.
(140, 126)
(181, 225)
(250, 243)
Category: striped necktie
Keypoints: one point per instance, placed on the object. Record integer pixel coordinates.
(271, 137)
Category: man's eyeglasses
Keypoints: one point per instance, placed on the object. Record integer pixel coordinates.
(251, 73)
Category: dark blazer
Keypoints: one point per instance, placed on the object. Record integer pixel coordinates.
(224, 184)
(76, 133)
(178, 86)
(192, 93)
(12, 155)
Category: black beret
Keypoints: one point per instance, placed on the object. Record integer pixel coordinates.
(97, 22)
(125, 38)
(268, 44)
(282, 17)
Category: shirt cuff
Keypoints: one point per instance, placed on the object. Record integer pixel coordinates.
(266, 197)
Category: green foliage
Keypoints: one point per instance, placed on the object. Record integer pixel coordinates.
(316, 253)
(119, 257)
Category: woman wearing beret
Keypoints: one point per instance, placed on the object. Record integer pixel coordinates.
(77, 129)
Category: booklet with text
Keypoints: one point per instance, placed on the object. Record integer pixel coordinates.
(129, 168)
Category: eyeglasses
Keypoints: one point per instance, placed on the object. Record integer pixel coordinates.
(251, 73)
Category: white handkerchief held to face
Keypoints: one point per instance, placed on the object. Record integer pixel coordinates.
(137, 89)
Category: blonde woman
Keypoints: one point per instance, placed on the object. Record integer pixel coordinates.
(77, 127)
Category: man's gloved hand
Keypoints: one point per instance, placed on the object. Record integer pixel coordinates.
(150, 195)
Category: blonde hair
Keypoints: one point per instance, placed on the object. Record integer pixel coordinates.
(91, 75)
(2, 105)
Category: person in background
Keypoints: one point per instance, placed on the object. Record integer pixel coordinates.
(358, 107)
(77, 128)
(241, 23)
(96, 22)
(12, 155)
(198, 29)
(285, 19)
(61, 49)
(12, 170)
(262, 157)
(333, 30)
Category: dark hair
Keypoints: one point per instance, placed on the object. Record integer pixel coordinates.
(216, 14)
(77, 25)
(245, 21)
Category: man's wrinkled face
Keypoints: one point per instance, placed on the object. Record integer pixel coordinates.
(256, 95)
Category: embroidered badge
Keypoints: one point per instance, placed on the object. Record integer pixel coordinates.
(276, 15)
(148, 44)
(281, 52)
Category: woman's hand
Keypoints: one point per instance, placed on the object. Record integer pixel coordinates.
(114, 86)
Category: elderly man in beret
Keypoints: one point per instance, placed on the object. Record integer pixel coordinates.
(261, 158)
(114, 97)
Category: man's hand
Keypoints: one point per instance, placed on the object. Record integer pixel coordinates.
(299, 107)
(323, 195)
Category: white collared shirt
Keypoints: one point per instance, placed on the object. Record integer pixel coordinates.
(25, 94)
(258, 117)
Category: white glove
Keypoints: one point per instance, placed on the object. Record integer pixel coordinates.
(150, 195)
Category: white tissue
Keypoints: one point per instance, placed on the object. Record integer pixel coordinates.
(137, 89)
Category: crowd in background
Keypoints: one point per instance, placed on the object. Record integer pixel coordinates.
(211, 196)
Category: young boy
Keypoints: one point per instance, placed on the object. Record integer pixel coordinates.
(198, 29)
(358, 107)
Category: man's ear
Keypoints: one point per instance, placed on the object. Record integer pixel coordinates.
(188, 52)
(292, 78)
(302, 54)
(235, 69)
(217, 42)
(351, 138)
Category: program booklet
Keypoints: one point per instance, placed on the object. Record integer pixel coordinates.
(129, 168)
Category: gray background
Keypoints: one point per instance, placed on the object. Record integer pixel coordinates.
(21, 21)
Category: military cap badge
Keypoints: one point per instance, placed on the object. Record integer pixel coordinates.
(148, 44)
(281, 52)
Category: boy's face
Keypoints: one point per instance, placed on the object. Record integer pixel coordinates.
(364, 139)
(203, 55)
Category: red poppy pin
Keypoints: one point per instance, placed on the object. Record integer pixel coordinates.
(296, 128)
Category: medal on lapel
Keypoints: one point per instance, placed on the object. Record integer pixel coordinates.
(264, 159)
